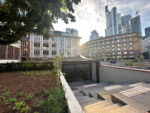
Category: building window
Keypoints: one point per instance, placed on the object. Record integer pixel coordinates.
(119, 53)
(45, 45)
(118, 45)
(17, 53)
(113, 45)
(125, 53)
(45, 52)
(130, 39)
(131, 48)
(103, 47)
(131, 52)
(10, 52)
(23, 43)
(54, 39)
(2, 52)
(124, 40)
(24, 52)
(113, 53)
(113, 49)
(118, 41)
(131, 44)
(107, 46)
(54, 52)
(36, 44)
(125, 48)
(124, 44)
(118, 49)
(112, 41)
(36, 52)
(54, 45)
(37, 37)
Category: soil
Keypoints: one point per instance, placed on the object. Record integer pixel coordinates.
(17, 82)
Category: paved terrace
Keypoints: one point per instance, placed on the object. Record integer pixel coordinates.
(112, 98)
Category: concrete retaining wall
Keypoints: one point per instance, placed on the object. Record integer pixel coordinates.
(117, 74)
(73, 104)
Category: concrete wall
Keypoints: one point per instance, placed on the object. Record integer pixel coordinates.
(73, 104)
(94, 78)
(123, 74)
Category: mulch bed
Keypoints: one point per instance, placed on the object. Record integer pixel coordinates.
(17, 82)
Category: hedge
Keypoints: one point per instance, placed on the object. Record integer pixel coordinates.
(26, 66)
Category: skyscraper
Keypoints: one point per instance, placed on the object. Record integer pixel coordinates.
(113, 19)
(136, 25)
(147, 32)
(94, 35)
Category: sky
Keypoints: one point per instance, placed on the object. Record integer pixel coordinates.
(90, 15)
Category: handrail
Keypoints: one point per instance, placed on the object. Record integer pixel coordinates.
(127, 68)
(73, 103)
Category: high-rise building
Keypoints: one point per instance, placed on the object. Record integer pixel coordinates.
(113, 19)
(64, 44)
(125, 24)
(136, 25)
(147, 32)
(72, 31)
(94, 35)
(115, 24)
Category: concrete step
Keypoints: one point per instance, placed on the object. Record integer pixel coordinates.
(96, 107)
(130, 109)
(118, 110)
(104, 95)
(88, 102)
(109, 108)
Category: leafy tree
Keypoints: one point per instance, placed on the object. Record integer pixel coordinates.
(19, 17)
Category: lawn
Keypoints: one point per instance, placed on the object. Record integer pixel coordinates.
(31, 92)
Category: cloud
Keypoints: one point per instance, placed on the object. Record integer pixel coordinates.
(90, 15)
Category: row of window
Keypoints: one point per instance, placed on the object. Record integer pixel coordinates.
(45, 52)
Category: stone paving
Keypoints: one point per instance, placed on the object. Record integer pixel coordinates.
(112, 98)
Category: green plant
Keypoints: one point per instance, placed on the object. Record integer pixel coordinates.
(19, 105)
(19, 94)
(41, 103)
(11, 100)
(4, 95)
(57, 99)
(36, 112)
(29, 97)
(25, 109)
(45, 92)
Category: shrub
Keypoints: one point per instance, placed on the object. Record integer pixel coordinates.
(19, 94)
(29, 97)
(57, 99)
(11, 100)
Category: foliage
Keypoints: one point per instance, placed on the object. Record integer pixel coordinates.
(11, 100)
(19, 17)
(56, 98)
(19, 94)
(4, 95)
(26, 66)
(41, 103)
(45, 92)
(129, 63)
(19, 105)
(25, 109)
(29, 97)
(57, 62)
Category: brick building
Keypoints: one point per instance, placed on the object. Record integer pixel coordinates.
(124, 46)
(9, 53)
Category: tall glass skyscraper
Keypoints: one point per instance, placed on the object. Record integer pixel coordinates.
(136, 25)
(113, 19)
(115, 24)
(147, 32)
